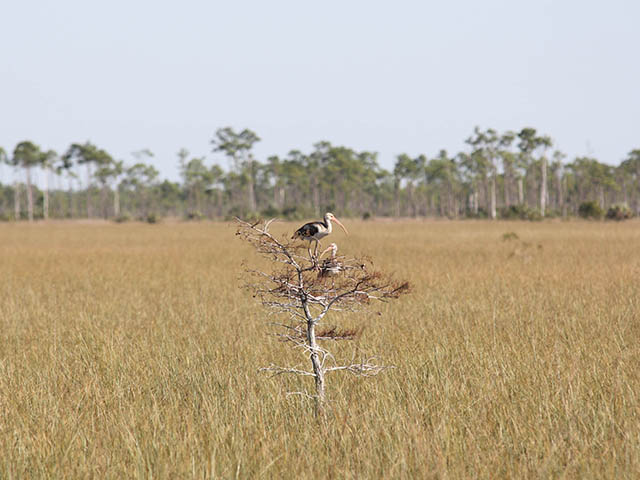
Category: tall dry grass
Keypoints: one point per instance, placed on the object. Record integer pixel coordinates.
(129, 351)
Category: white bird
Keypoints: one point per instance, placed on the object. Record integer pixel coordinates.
(330, 266)
(314, 231)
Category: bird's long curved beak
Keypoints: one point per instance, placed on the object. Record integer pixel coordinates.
(341, 225)
(323, 252)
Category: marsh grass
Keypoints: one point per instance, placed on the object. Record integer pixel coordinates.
(124, 353)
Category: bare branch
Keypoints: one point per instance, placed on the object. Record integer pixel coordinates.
(303, 394)
(362, 369)
(276, 370)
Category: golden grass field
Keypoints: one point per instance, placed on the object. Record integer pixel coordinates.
(130, 351)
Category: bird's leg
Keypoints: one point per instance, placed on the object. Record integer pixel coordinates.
(314, 257)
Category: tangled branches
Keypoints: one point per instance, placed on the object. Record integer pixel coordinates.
(304, 290)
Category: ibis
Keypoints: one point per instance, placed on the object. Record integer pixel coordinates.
(314, 231)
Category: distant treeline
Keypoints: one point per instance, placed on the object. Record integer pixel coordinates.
(501, 175)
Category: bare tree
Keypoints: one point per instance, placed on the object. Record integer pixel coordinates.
(304, 290)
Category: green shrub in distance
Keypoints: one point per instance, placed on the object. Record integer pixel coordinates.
(239, 211)
(618, 212)
(520, 212)
(270, 212)
(194, 215)
(482, 213)
(123, 217)
(590, 210)
(297, 213)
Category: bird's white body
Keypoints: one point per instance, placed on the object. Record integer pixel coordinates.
(330, 266)
(323, 230)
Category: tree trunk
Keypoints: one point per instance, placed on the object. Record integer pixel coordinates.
(144, 202)
(543, 186)
(88, 191)
(104, 200)
(45, 198)
(454, 202)
(16, 201)
(318, 369)
(70, 197)
(601, 196)
(316, 196)
(559, 194)
(29, 194)
(507, 182)
(251, 195)
(520, 191)
(492, 200)
(635, 194)
(219, 203)
(116, 202)
(276, 194)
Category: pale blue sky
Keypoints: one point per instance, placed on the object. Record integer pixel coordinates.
(392, 77)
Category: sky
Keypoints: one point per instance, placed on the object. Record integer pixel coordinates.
(391, 77)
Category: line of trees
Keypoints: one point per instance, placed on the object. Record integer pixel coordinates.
(513, 174)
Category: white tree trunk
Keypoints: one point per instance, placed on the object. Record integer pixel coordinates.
(543, 186)
(507, 186)
(410, 207)
(29, 194)
(601, 197)
(45, 198)
(492, 200)
(560, 195)
(116, 202)
(251, 193)
(276, 194)
(520, 191)
(88, 190)
(70, 197)
(16, 201)
(316, 196)
(318, 369)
